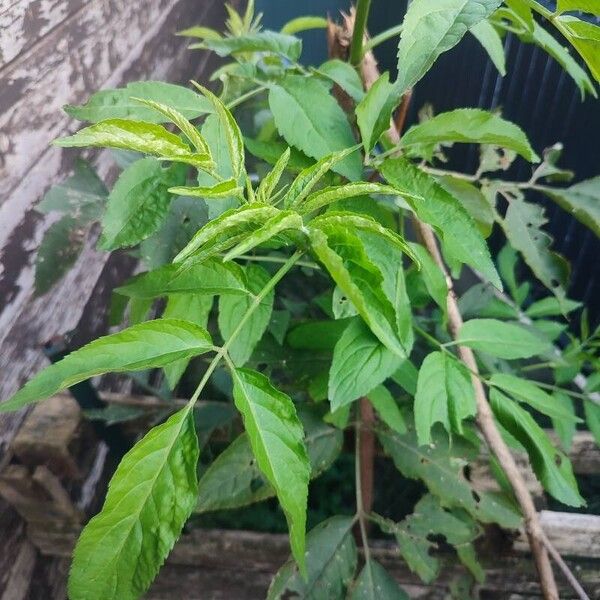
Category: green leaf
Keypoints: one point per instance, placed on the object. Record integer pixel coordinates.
(434, 279)
(272, 150)
(235, 142)
(234, 479)
(330, 564)
(436, 206)
(262, 41)
(225, 189)
(328, 195)
(592, 418)
(149, 499)
(310, 176)
(372, 280)
(542, 38)
(82, 196)
(232, 307)
(358, 351)
(174, 116)
(120, 103)
(276, 437)
(429, 30)
(209, 278)
(270, 180)
(503, 340)
(375, 583)
(225, 231)
(316, 335)
(416, 535)
(139, 136)
(387, 409)
(490, 39)
(374, 111)
(471, 125)
(193, 308)
(406, 377)
(526, 391)
(201, 32)
(345, 75)
(473, 200)
(550, 307)
(138, 203)
(522, 226)
(441, 467)
(585, 38)
(144, 346)
(283, 221)
(444, 395)
(61, 246)
(581, 200)
(310, 119)
(565, 428)
(303, 23)
(551, 466)
(589, 6)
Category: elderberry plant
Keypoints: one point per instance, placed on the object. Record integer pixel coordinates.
(286, 254)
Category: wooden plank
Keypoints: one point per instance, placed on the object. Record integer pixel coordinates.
(21, 571)
(26, 23)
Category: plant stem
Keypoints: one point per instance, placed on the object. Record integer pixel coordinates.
(222, 351)
(241, 99)
(381, 37)
(277, 259)
(358, 476)
(358, 32)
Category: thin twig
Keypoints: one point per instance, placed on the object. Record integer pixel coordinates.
(358, 477)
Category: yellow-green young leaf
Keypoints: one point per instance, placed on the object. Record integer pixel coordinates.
(429, 29)
(444, 395)
(284, 220)
(522, 225)
(330, 564)
(277, 441)
(471, 125)
(310, 176)
(262, 41)
(225, 189)
(581, 200)
(235, 142)
(526, 391)
(328, 195)
(173, 115)
(309, 118)
(345, 75)
(590, 6)
(144, 346)
(304, 23)
(503, 340)
(270, 180)
(232, 307)
(441, 467)
(437, 207)
(358, 351)
(552, 467)
(138, 203)
(374, 111)
(200, 32)
(209, 278)
(585, 38)
(223, 232)
(490, 39)
(120, 103)
(387, 409)
(375, 583)
(149, 499)
(148, 138)
(194, 308)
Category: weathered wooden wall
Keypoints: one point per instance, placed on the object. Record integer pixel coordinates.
(54, 52)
